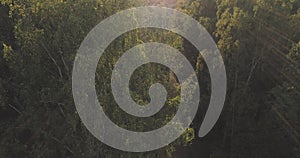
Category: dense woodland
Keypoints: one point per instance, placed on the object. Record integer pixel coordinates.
(259, 41)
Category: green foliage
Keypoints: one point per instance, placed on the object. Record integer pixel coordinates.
(258, 41)
(294, 53)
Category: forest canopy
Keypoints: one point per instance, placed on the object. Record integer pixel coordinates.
(259, 41)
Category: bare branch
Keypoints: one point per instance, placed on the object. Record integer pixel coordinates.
(53, 60)
(14, 108)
